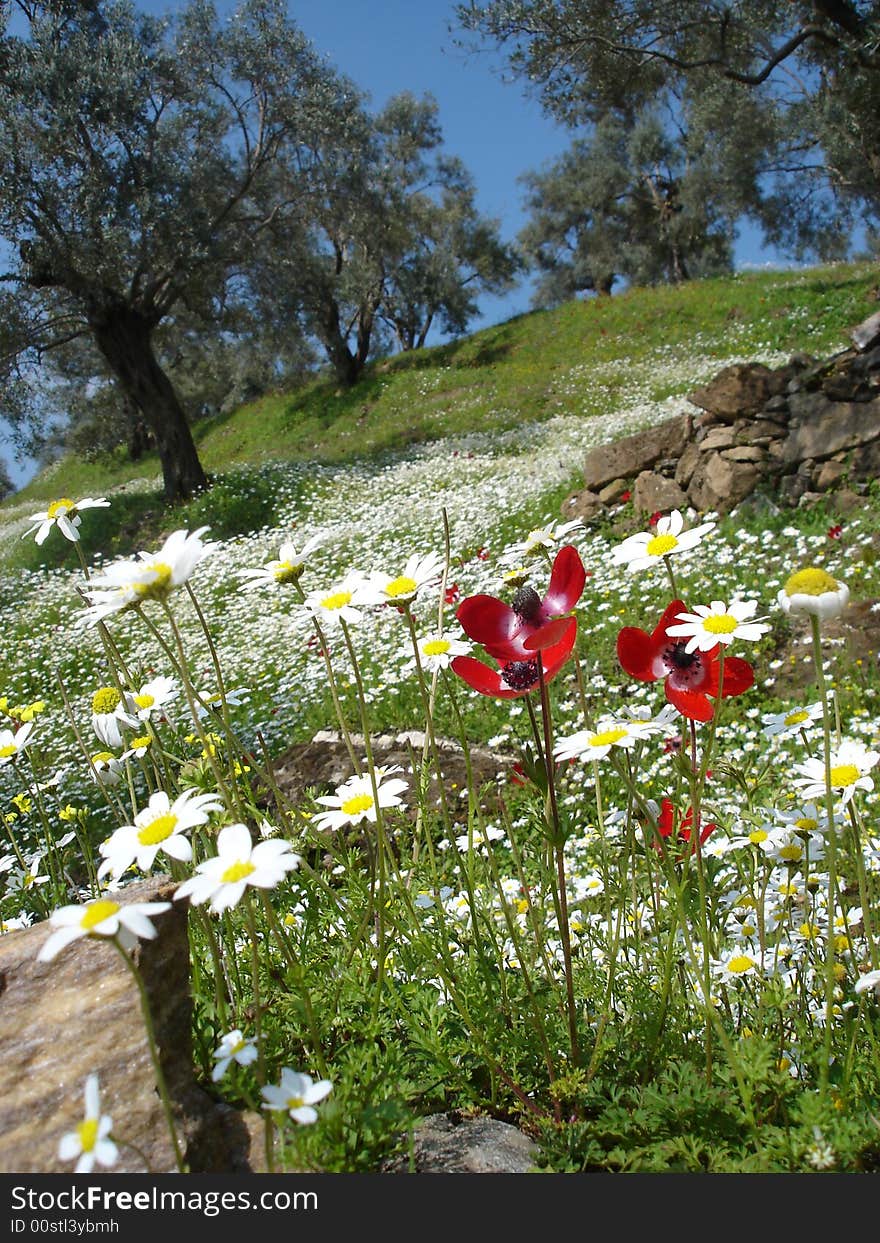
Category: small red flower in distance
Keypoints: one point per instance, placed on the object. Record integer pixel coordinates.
(691, 678)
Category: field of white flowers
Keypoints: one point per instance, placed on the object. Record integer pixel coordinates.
(740, 967)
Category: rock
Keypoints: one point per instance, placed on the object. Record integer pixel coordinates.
(742, 388)
(625, 458)
(720, 484)
(324, 763)
(829, 475)
(653, 493)
(687, 464)
(718, 438)
(793, 487)
(476, 1146)
(827, 427)
(865, 461)
(867, 333)
(62, 1020)
(757, 431)
(744, 453)
(584, 505)
(613, 491)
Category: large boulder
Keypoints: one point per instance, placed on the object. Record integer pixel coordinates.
(443, 1145)
(655, 493)
(62, 1020)
(720, 483)
(627, 457)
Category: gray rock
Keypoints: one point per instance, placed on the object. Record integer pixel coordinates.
(742, 388)
(829, 475)
(867, 333)
(687, 464)
(625, 458)
(62, 1020)
(440, 1145)
(718, 438)
(825, 427)
(653, 492)
(721, 484)
(584, 505)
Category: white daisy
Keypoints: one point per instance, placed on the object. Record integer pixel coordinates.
(160, 826)
(63, 514)
(153, 576)
(354, 801)
(343, 601)
(106, 768)
(648, 548)
(735, 966)
(850, 765)
(13, 742)
(101, 917)
(238, 864)
(711, 624)
(90, 1144)
(596, 744)
(152, 699)
(419, 572)
(871, 979)
(286, 569)
(787, 724)
(542, 539)
(813, 591)
(296, 1095)
(437, 651)
(109, 715)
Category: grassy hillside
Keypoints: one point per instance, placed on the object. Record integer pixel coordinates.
(583, 358)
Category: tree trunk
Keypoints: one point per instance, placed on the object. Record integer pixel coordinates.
(124, 338)
(344, 363)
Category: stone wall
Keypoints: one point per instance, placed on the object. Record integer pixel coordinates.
(795, 432)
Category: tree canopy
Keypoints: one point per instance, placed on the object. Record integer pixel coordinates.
(790, 93)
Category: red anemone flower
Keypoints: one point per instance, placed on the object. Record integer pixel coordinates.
(667, 827)
(514, 632)
(690, 677)
(519, 674)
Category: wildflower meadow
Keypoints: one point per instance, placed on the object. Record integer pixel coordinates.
(651, 941)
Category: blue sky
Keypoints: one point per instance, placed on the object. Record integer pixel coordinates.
(395, 45)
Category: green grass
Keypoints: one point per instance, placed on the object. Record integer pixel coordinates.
(526, 369)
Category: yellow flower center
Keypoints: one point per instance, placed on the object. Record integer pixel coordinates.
(88, 1133)
(294, 1102)
(237, 871)
(660, 545)
(337, 600)
(740, 964)
(9, 750)
(238, 1046)
(105, 700)
(357, 803)
(843, 775)
(796, 718)
(102, 757)
(792, 853)
(811, 582)
(287, 572)
(807, 824)
(757, 836)
(402, 586)
(96, 912)
(721, 623)
(810, 931)
(144, 700)
(60, 507)
(608, 737)
(159, 585)
(158, 830)
(141, 743)
(436, 647)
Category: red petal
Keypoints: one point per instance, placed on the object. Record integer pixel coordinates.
(553, 658)
(566, 583)
(488, 620)
(635, 651)
(483, 679)
(545, 636)
(738, 676)
(694, 705)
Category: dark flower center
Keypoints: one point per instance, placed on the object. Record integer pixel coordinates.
(526, 603)
(520, 674)
(687, 667)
